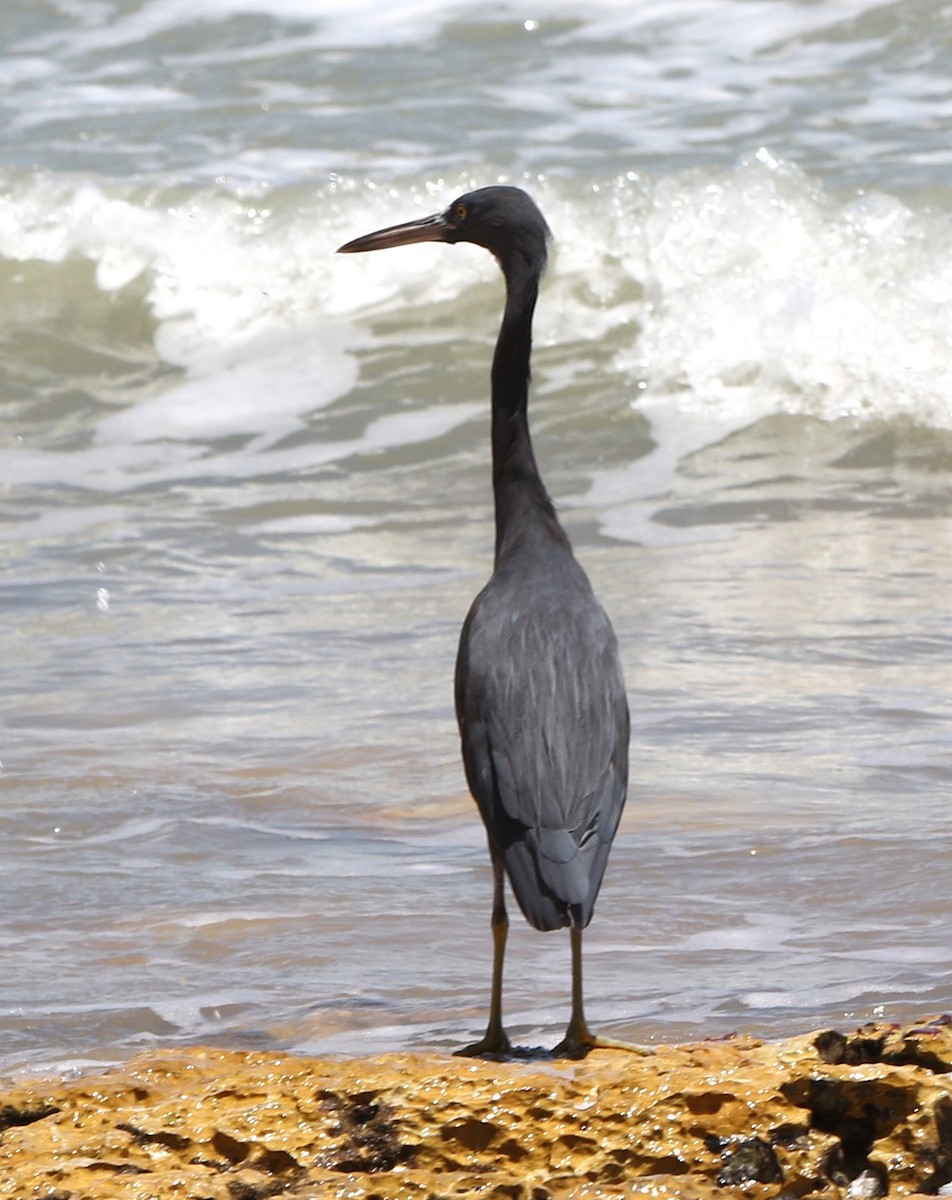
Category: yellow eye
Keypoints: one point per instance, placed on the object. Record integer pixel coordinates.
(461, 212)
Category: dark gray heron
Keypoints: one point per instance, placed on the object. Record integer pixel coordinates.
(540, 697)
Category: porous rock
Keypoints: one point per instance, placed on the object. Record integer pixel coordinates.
(839, 1115)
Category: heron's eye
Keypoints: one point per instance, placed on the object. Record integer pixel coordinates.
(461, 212)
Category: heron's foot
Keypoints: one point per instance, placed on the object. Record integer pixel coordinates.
(494, 1044)
(579, 1040)
(607, 1043)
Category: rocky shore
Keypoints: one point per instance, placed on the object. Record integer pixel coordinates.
(855, 1115)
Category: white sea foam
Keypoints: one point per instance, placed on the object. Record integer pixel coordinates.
(204, 920)
(764, 290)
(249, 300)
(765, 934)
(134, 829)
(762, 294)
(315, 523)
(756, 28)
(264, 395)
(722, 297)
(240, 301)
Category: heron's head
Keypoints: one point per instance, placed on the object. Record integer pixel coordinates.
(502, 219)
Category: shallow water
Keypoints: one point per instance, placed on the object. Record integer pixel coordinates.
(245, 504)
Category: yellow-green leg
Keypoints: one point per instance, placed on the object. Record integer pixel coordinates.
(495, 1041)
(579, 1039)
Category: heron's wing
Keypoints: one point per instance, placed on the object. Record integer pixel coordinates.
(544, 722)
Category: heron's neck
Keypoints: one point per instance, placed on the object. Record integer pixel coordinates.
(523, 507)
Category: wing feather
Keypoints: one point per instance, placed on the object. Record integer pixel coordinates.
(544, 722)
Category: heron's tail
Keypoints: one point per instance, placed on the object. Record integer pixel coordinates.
(551, 876)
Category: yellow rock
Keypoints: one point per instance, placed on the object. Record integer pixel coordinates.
(854, 1116)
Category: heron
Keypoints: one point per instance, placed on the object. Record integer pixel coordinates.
(540, 697)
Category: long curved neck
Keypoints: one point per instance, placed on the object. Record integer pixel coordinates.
(523, 507)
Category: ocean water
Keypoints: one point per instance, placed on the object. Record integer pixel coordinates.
(244, 505)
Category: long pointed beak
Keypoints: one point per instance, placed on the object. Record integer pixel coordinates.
(429, 229)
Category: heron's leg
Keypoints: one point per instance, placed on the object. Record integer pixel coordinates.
(579, 1039)
(495, 1040)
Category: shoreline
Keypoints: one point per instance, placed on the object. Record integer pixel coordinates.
(857, 1115)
